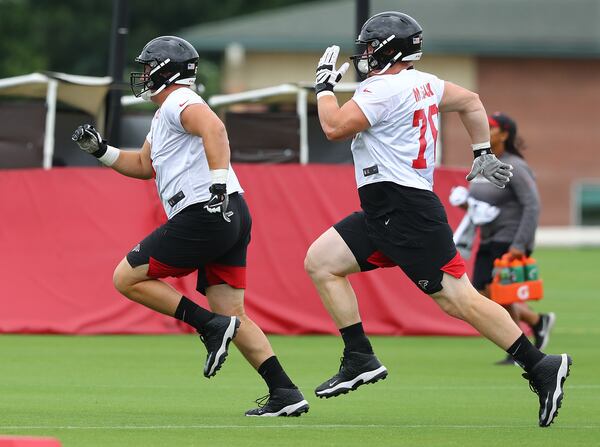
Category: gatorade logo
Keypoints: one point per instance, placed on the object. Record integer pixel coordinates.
(532, 273)
(523, 292)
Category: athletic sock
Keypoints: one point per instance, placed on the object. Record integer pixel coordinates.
(524, 353)
(273, 374)
(192, 314)
(355, 339)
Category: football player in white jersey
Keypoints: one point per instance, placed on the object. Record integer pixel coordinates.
(393, 120)
(208, 227)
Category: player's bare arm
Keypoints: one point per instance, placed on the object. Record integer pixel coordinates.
(340, 123)
(469, 108)
(200, 120)
(474, 118)
(136, 164)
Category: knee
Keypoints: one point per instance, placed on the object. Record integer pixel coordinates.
(448, 306)
(316, 267)
(121, 280)
(459, 305)
(311, 262)
(226, 300)
(232, 310)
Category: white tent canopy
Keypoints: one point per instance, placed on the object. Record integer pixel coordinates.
(82, 92)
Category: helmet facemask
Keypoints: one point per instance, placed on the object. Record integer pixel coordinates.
(159, 75)
(376, 56)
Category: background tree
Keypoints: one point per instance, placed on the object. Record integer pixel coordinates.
(72, 36)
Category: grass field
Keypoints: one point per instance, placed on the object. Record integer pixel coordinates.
(149, 390)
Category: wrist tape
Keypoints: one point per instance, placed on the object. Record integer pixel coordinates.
(325, 93)
(481, 149)
(110, 156)
(322, 87)
(219, 175)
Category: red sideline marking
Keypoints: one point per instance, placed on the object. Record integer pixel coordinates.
(226, 274)
(456, 267)
(26, 441)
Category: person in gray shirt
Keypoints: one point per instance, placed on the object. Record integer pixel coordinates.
(513, 231)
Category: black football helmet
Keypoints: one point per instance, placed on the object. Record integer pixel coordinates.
(167, 60)
(387, 38)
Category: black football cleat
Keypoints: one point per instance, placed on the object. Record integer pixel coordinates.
(280, 402)
(542, 336)
(546, 379)
(216, 336)
(356, 369)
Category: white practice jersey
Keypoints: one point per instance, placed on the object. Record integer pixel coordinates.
(178, 157)
(400, 145)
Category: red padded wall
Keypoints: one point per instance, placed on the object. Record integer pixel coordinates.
(63, 231)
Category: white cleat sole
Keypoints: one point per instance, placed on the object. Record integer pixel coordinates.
(291, 410)
(227, 337)
(557, 396)
(362, 379)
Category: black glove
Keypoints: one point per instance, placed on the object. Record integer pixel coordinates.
(89, 140)
(219, 201)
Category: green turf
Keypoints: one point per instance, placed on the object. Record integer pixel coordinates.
(149, 390)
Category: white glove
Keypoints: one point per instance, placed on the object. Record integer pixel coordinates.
(486, 164)
(327, 75)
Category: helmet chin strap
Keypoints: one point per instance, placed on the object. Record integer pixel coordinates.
(390, 63)
(147, 95)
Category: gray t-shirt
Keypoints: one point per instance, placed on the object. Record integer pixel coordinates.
(519, 205)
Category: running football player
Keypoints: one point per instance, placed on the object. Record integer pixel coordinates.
(393, 120)
(208, 227)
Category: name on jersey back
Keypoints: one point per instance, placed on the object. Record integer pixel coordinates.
(422, 92)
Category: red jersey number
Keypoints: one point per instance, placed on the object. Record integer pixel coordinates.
(421, 119)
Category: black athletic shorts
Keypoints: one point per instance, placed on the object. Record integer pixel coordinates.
(405, 227)
(484, 262)
(195, 239)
